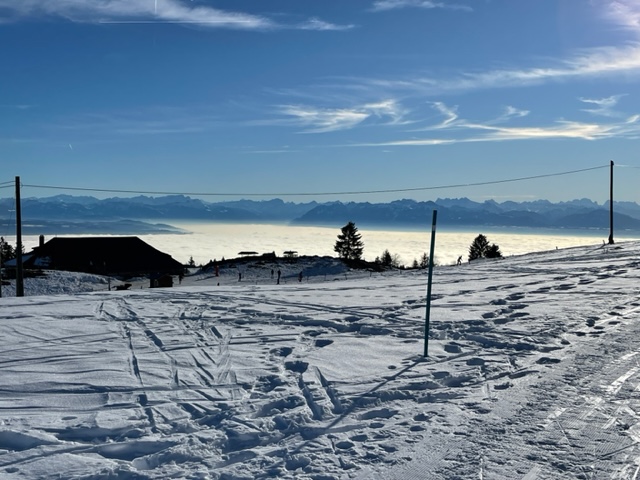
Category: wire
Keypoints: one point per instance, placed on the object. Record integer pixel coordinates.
(364, 192)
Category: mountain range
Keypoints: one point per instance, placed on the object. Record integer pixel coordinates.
(135, 215)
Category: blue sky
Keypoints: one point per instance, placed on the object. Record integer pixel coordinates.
(292, 96)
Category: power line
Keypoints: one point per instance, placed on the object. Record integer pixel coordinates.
(282, 194)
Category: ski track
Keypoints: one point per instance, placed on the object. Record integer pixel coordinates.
(228, 383)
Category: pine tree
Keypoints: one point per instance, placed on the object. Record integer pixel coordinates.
(493, 251)
(386, 259)
(480, 248)
(349, 244)
(7, 252)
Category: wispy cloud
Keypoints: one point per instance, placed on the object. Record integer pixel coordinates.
(454, 129)
(150, 121)
(316, 120)
(18, 107)
(625, 13)
(383, 5)
(321, 25)
(588, 63)
(96, 11)
(322, 120)
(450, 115)
(148, 11)
(510, 113)
(603, 106)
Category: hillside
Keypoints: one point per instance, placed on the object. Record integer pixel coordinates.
(532, 374)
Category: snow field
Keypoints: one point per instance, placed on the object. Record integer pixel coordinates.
(532, 374)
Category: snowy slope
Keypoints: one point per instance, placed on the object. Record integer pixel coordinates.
(533, 374)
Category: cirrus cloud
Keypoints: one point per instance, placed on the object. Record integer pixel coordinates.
(383, 5)
(148, 11)
(322, 120)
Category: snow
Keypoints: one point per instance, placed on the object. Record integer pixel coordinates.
(532, 373)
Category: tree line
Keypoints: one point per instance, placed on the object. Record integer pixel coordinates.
(350, 246)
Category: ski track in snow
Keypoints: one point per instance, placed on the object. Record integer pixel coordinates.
(533, 373)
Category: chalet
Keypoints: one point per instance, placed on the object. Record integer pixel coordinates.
(121, 256)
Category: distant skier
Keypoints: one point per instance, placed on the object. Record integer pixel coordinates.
(300, 277)
(279, 273)
(459, 260)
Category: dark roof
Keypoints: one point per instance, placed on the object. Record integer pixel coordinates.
(109, 255)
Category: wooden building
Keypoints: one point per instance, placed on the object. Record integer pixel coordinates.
(119, 256)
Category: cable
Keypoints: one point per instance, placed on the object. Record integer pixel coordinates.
(365, 192)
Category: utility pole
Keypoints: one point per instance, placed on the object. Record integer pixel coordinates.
(611, 205)
(19, 274)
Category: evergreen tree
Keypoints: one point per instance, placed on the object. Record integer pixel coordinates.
(386, 259)
(493, 251)
(424, 260)
(349, 244)
(480, 248)
(389, 259)
(6, 250)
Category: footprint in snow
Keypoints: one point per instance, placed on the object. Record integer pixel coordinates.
(452, 348)
(547, 361)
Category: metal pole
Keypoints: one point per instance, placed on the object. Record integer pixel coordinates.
(1, 247)
(19, 274)
(428, 313)
(611, 205)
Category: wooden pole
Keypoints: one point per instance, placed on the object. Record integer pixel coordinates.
(19, 273)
